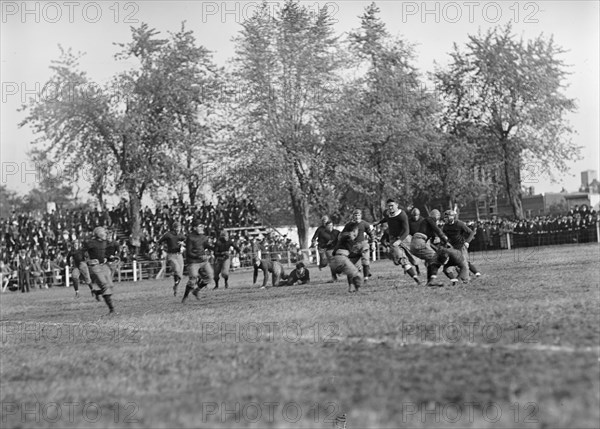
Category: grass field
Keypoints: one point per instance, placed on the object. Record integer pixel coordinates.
(517, 348)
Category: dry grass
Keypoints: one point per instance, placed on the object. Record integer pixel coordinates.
(516, 348)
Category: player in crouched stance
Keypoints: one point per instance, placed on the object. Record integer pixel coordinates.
(199, 269)
(341, 262)
(273, 266)
(455, 265)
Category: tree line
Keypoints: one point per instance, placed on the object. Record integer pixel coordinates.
(309, 122)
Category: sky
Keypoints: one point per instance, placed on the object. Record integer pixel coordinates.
(31, 33)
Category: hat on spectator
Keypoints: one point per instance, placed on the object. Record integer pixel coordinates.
(300, 265)
(197, 223)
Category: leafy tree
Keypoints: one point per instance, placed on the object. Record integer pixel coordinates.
(128, 133)
(287, 67)
(509, 94)
(383, 118)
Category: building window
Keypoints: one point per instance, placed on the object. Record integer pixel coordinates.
(481, 204)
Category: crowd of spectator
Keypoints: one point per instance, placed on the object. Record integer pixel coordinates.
(579, 225)
(39, 242)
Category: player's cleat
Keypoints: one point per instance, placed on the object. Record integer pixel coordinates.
(477, 275)
(97, 294)
(174, 290)
(195, 293)
(453, 282)
(76, 294)
(417, 281)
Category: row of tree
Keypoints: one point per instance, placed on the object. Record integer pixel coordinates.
(310, 121)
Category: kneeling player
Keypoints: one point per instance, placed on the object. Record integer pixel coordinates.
(274, 267)
(299, 275)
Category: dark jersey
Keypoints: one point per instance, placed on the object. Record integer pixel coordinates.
(458, 234)
(363, 229)
(295, 277)
(455, 257)
(96, 249)
(173, 241)
(325, 239)
(77, 256)
(222, 247)
(398, 225)
(414, 225)
(345, 242)
(195, 246)
(429, 227)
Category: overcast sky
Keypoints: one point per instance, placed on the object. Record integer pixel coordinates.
(32, 31)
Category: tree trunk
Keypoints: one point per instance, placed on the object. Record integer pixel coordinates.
(512, 178)
(193, 191)
(136, 219)
(301, 215)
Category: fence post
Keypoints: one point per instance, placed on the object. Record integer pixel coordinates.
(598, 231)
(134, 270)
(508, 240)
(141, 277)
(67, 277)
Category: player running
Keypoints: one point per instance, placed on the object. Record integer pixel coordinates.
(398, 230)
(173, 240)
(459, 236)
